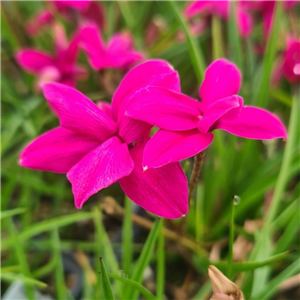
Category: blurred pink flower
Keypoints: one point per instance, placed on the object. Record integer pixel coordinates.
(186, 124)
(119, 52)
(97, 145)
(266, 10)
(41, 20)
(289, 64)
(60, 67)
(86, 11)
(78, 5)
(221, 9)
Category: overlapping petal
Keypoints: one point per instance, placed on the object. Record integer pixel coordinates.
(131, 130)
(164, 108)
(253, 123)
(100, 168)
(222, 79)
(173, 146)
(57, 150)
(161, 191)
(78, 113)
(151, 73)
(216, 110)
(33, 60)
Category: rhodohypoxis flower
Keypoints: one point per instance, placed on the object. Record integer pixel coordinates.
(266, 9)
(60, 67)
(97, 146)
(84, 10)
(41, 20)
(117, 54)
(221, 9)
(78, 5)
(289, 64)
(186, 124)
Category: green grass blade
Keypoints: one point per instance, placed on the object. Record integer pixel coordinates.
(194, 50)
(127, 236)
(60, 287)
(263, 90)
(271, 287)
(106, 287)
(144, 259)
(233, 36)
(11, 277)
(22, 259)
(160, 282)
(12, 212)
(147, 294)
(262, 248)
(217, 46)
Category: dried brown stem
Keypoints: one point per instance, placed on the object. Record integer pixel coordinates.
(195, 173)
(111, 207)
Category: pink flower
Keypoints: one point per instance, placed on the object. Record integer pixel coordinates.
(41, 20)
(221, 9)
(186, 124)
(61, 67)
(117, 54)
(266, 10)
(97, 146)
(289, 65)
(85, 11)
(78, 5)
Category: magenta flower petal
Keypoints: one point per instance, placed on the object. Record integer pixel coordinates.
(164, 108)
(131, 130)
(105, 107)
(120, 53)
(33, 60)
(57, 150)
(221, 8)
(161, 191)
(244, 21)
(78, 5)
(222, 79)
(99, 169)
(172, 146)
(150, 73)
(95, 13)
(197, 7)
(78, 113)
(216, 110)
(92, 43)
(39, 22)
(254, 123)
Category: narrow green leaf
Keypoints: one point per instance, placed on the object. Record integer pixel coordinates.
(194, 50)
(106, 287)
(144, 259)
(271, 287)
(12, 212)
(127, 236)
(217, 46)
(160, 282)
(147, 294)
(47, 225)
(263, 90)
(233, 36)
(11, 277)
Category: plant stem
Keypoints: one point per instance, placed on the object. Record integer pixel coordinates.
(195, 173)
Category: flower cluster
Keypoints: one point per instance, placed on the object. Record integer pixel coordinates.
(98, 145)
